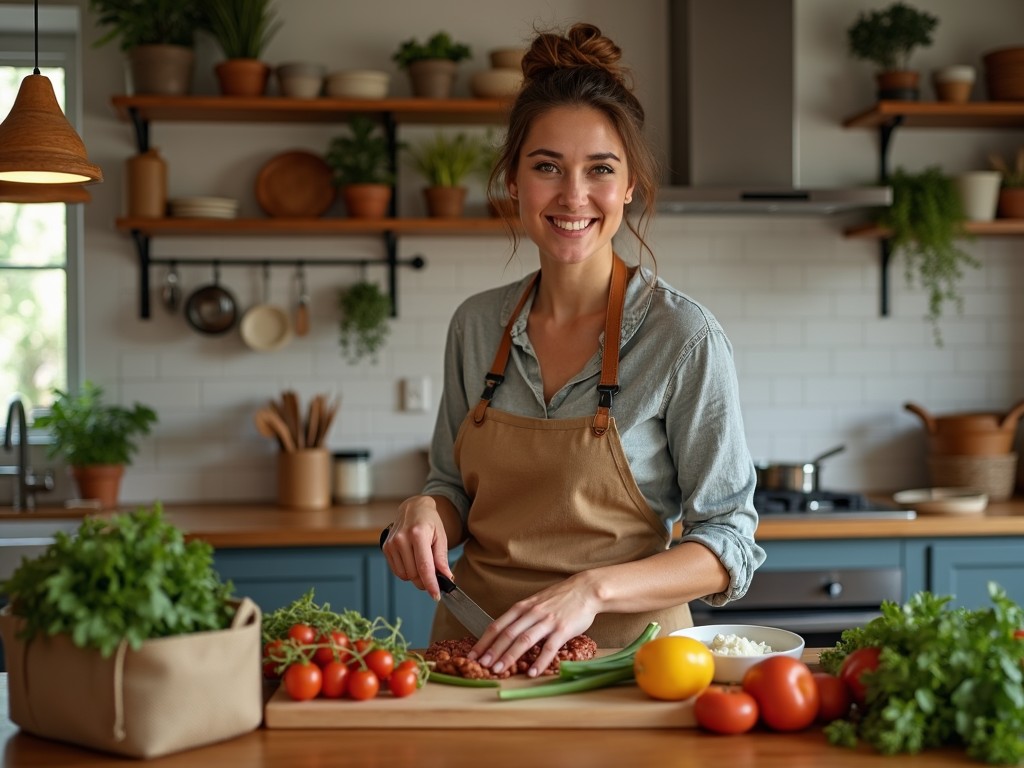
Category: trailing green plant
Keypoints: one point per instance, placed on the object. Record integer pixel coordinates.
(86, 431)
(361, 156)
(148, 22)
(446, 161)
(1012, 175)
(888, 37)
(363, 326)
(242, 28)
(130, 578)
(440, 46)
(925, 220)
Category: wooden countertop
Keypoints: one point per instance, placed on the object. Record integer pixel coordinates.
(451, 748)
(242, 525)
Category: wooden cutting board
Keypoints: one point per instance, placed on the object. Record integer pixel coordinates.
(437, 706)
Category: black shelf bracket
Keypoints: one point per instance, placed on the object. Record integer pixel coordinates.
(141, 126)
(146, 262)
(886, 133)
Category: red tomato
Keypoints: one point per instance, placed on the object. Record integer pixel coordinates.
(363, 684)
(339, 643)
(381, 662)
(270, 667)
(786, 694)
(725, 710)
(408, 664)
(303, 634)
(856, 664)
(335, 675)
(833, 697)
(303, 681)
(1019, 634)
(403, 682)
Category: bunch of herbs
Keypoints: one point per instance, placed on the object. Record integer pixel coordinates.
(363, 327)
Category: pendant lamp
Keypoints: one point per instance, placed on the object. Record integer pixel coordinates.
(37, 143)
(21, 192)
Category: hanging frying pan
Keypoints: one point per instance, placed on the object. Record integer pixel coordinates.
(211, 309)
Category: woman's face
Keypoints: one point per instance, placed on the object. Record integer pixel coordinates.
(572, 184)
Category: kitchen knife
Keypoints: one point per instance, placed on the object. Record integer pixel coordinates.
(473, 617)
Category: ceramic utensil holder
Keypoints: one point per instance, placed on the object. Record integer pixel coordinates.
(304, 478)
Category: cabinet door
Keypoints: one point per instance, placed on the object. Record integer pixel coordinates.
(275, 577)
(964, 567)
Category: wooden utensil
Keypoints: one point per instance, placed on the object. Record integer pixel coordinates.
(313, 423)
(290, 401)
(270, 424)
(327, 418)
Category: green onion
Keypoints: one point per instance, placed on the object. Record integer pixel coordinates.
(617, 660)
(558, 686)
(440, 677)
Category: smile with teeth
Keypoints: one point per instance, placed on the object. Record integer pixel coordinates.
(574, 225)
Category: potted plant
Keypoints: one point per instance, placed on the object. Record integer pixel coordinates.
(925, 220)
(1011, 190)
(361, 163)
(887, 38)
(364, 320)
(242, 29)
(432, 65)
(158, 36)
(445, 161)
(95, 438)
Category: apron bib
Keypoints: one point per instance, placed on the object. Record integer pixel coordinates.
(552, 497)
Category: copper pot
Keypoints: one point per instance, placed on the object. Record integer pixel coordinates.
(970, 434)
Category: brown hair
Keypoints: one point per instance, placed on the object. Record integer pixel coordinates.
(578, 69)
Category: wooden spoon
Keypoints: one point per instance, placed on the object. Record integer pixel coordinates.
(269, 424)
(313, 423)
(292, 419)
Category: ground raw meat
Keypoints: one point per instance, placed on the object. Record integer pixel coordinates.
(450, 658)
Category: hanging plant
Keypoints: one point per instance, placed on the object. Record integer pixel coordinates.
(926, 218)
(364, 320)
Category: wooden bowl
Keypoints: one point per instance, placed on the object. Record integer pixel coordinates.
(943, 501)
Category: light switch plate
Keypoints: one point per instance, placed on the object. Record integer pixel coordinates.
(415, 394)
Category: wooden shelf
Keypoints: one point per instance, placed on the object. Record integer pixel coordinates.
(171, 227)
(941, 114)
(263, 109)
(997, 227)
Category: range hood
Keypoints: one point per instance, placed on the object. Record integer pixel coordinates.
(734, 129)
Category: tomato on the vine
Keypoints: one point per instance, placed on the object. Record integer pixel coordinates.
(363, 684)
(854, 666)
(833, 697)
(786, 693)
(408, 664)
(403, 682)
(335, 679)
(339, 644)
(725, 710)
(303, 634)
(381, 661)
(272, 648)
(303, 681)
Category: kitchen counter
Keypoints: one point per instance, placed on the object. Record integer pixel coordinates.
(240, 525)
(452, 748)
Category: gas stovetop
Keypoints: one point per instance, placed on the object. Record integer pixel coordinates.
(824, 505)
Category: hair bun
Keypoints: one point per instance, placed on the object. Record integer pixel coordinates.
(582, 46)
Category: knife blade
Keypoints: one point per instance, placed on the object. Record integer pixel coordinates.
(472, 616)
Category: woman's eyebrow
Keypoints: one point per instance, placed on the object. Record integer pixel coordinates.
(559, 155)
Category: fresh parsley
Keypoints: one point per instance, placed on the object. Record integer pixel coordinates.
(132, 577)
(945, 676)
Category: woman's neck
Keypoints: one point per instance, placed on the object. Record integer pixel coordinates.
(568, 292)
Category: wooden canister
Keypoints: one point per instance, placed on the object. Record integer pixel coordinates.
(304, 478)
(147, 185)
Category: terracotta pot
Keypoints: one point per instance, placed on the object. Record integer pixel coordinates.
(432, 78)
(898, 85)
(164, 70)
(1011, 203)
(367, 201)
(445, 202)
(242, 77)
(966, 434)
(100, 481)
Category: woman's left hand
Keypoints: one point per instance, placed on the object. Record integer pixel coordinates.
(553, 616)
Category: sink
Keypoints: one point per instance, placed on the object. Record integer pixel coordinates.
(28, 538)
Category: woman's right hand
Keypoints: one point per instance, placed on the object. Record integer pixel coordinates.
(417, 544)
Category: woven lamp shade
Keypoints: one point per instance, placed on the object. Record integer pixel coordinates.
(38, 144)
(19, 192)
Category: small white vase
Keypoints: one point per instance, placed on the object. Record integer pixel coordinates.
(979, 193)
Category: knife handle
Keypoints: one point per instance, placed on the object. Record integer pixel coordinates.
(446, 584)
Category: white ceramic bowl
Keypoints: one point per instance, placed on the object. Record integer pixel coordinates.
(358, 84)
(943, 501)
(300, 80)
(730, 669)
(495, 83)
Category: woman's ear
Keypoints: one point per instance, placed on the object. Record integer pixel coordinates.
(513, 190)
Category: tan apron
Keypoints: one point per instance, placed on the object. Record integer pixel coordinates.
(552, 497)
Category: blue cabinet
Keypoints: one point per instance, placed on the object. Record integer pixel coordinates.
(964, 567)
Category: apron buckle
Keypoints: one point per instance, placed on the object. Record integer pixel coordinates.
(492, 381)
(605, 394)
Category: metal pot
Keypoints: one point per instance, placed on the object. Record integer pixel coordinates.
(211, 308)
(793, 477)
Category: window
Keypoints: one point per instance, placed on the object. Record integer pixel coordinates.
(39, 243)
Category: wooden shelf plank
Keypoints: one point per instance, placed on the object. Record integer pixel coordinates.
(171, 227)
(941, 114)
(326, 110)
(994, 228)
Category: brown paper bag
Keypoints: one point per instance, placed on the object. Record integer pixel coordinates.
(173, 693)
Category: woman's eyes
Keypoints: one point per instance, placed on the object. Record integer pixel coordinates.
(548, 167)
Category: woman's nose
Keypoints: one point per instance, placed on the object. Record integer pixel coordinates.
(574, 193)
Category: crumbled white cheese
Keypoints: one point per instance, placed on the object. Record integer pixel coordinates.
(734, 645)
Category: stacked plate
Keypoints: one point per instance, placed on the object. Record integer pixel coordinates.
(204, 207)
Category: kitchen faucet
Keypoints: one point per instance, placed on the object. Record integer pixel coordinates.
(26, 483)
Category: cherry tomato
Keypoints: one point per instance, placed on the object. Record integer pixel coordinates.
(335, 675)
(854, 666)
(339, 643)
(725, 710)
(381, 662)
(270, 667)
(786, 693)
(303, 681)
(408, 664)
(363, 684)
(833, 697)
(1019, 634)
(403, 682)
(303, 634)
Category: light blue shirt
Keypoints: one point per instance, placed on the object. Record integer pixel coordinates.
(677, 411)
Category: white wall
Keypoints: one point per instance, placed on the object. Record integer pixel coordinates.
(818, 365)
